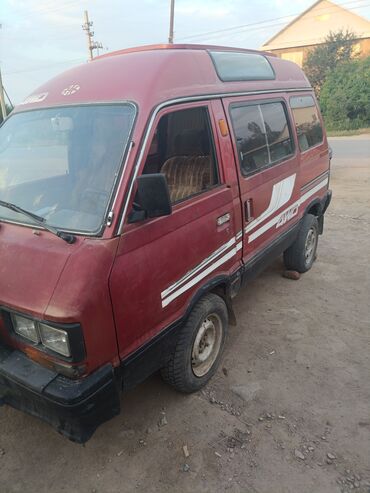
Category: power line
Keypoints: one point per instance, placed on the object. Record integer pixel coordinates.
(37, 12)
(91, 45)
(46, 7)
(244, 26)
(262, 28)
(193, 36)
(233, 30)
(65, 29)
(46, 67)
(328, 10)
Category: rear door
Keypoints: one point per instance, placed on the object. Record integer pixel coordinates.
(162, 262)
(267, 168)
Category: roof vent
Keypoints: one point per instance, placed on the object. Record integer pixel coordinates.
(236, 66)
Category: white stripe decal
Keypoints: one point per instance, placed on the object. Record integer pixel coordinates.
(276, 219)
(202, 275)
(198, 268)
(314, 181)
(281, 194)
(313, 190)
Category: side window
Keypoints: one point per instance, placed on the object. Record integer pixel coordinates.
(307, 121)
(250, 138)
(277, 131)
(262, 135)
(183, 150)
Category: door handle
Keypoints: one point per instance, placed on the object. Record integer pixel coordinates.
(225, 218)
(249, 210)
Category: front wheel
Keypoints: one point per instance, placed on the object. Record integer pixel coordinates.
(199, 347)
(302, 253)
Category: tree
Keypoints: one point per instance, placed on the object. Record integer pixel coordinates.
(324, 58)
(345, 96)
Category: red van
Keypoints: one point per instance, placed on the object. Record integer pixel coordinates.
(138, 193)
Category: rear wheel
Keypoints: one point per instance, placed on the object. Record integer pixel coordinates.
(301, 254)
(199, 347)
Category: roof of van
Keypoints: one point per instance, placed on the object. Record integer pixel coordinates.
(149, 75)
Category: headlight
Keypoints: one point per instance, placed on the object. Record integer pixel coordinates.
(26, 328)
(55, 339)
(61, 338)
(50, 337)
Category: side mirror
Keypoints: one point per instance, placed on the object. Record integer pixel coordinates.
(152, 198)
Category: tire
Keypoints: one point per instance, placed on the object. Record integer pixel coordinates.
(302, 253)
(208, 321)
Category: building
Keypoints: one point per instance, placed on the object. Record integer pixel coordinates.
(311, 28)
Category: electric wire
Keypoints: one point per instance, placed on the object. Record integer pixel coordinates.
(242, 27)
(234, 30)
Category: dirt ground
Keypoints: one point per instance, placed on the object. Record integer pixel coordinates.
(289, 409)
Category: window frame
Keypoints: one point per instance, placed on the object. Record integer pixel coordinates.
(205, 106)
(259, 103)
(105, 223)
(315, 105)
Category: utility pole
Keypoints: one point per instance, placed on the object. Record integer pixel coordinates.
(89, 34)
(91, 44)
(172, 21)
(2, 98)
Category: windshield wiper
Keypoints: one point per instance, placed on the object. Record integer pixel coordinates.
(41, 221)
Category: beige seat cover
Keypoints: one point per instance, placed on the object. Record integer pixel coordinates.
(187, 175)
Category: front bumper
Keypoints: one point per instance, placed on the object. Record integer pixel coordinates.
(75, 408)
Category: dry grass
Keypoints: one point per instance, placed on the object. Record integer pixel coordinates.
(343, 133)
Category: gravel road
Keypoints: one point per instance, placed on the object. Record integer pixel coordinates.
(288, 411)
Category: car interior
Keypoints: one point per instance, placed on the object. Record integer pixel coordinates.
(182, 149)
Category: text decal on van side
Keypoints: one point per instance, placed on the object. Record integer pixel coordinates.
(287, 215)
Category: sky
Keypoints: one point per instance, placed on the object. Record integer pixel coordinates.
(41, 38)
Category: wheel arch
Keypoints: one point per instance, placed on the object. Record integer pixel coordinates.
(314, 208)
(222, 287)
(317, 208)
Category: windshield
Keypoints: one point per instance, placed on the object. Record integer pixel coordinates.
(62, 163)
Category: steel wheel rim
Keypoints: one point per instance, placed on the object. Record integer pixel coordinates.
(206, 345)
(310, 245)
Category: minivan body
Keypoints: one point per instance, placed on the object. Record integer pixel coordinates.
(138, 193)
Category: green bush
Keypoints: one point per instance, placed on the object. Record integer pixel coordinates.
(345, 96)
(325, 57)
